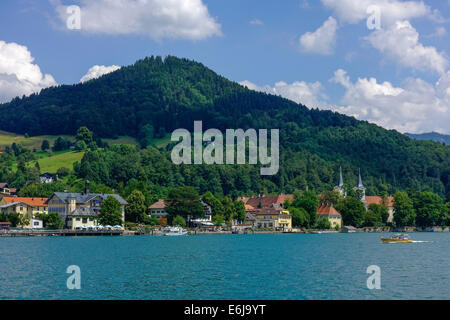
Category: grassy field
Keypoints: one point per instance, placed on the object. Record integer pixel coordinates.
(34, 143)
(65, 159)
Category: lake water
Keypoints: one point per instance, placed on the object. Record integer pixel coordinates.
(288, 266)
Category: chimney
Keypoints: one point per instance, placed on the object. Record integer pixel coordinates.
(86, 190)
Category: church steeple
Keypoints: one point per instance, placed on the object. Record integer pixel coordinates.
(360, 183)
(340, 186)
(360, 186)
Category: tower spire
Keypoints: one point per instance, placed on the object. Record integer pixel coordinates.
(360, 183)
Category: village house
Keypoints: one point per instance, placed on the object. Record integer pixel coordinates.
(5, 190)
(80, 209)
(27, 208)
(333, 216)
(46, 178)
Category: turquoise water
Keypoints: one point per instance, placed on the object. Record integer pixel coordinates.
(296, 266)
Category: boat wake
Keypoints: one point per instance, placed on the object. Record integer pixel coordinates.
(420, 241)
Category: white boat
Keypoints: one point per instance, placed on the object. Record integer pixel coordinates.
(174, 231)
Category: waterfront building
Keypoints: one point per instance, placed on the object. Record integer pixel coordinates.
(27, 208)
(158, 209)
(333, 216)
(274, 217)
(80, 209)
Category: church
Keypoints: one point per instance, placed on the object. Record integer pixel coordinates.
(367, 200)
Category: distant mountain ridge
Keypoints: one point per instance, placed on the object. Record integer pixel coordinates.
(432, 136)
(160, 95)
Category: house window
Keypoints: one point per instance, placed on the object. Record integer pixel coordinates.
(78, 219)
(36, 223)
(85, 220)
(91, 219)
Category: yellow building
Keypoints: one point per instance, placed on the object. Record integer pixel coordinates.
(80, 209)
(272, 218)
(333, 216)
(27, 208)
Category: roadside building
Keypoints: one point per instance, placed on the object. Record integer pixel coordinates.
(333, 216)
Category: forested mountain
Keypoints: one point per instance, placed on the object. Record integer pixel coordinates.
(431, 136)
(159, 95)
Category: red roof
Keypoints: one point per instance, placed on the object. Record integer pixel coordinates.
(327, 211)
(160, 204)
(33, 202)
(379, 200)
(267, 201)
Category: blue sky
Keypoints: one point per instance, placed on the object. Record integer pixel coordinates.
(320, 53)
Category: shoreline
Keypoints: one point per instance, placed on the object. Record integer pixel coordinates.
(77, 233)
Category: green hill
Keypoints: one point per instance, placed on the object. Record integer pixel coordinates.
(168, 94)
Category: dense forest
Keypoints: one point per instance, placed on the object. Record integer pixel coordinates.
(155, 96)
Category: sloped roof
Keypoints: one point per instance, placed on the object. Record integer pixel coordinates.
(379, 200)
(85, 197)
(33, 202)
(160, 204)
(267, 201)
(3, 185)
(327, 211)
(84, 212)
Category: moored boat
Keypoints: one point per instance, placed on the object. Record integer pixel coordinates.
(174, 231)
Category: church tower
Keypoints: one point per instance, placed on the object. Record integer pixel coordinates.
(340, 186)
(360, 186)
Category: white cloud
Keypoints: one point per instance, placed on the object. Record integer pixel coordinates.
(418, 107)
(98, 71)
(177, 19)
(321, 41)
(401, 43)
(351, 11)
(18, 75)
(256, 22)
(308, 94)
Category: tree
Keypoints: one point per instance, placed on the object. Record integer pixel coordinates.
(330, 198)
(45, 145)
(51, 221)
(309, 201)
(84, 134)
(63, 172)
(136, 208)
(110, 212)
(378, 213)
(184, 201)
(239, 209)
(300, 218)
(218, 220)
(80, 146)
(353, 211)
(179, 221)
(216, 204)
(61, 144)
(229, 210)
(429, 209)
(404, 214)
(323, 224)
